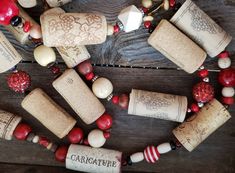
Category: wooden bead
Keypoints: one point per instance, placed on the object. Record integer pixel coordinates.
(166, 5)
(223, 54)
(227, 77)
(61, 153)
(110, 30)
(228, 100)
(22, 131)
(35, 139)
(85, 67)
(147, 3)
(44, 141)
(228, 91)
(44, 55)
(27, 26)
(102, 87)
(151, 154)
(104, 122)
(164, 148)
(224, 62)
(35, 31)
(75, 135)
(96, 138)
(27, 3)
(148, 18)
(137, 157)
(123, 101)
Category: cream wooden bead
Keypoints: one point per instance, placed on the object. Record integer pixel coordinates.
(228, 92)
(44, 55)
(27, 3)
(148, 18)
(96, 138)
(102, 87)
(164, 148)
(35, 139)
(35, 31)
(137, 157)
(110, 30)
(224, 62)
(166, 5)
(147, 3)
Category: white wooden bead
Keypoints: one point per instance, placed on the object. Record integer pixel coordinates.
(27, 3)
(164, 148)
(102, 87)
(147, 3)
(35, 139)
(96, 138)
(148, 18)
(131, 18)
(166, 5)
(228, 92)
(44, 55)
(35, 31)
(224, 62)
(137, 157)
(110, 30)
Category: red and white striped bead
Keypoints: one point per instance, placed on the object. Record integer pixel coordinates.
(151, 154)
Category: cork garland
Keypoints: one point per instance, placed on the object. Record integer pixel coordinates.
(57, 29)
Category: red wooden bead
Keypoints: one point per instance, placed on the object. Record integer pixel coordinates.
(27, 26)
(106, 135)
(227, 77)
(203, 92)
(194, 107)
(75, 135)
(145, 10)
(147, 24)
(223, 54)
(21, 131)
(85, 67)
(89, 76)
(104, 122)
(61, 153)
(115, 99)
(151, 154)
(228, 100)
(203, 73)
(8, 9)
(123, 101)
(172, 3)
(44, 141)
(116, 28)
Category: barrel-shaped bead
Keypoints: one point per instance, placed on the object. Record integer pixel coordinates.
(164, 148)
(44, 55)
(137, 157)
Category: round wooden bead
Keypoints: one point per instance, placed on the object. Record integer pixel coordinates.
(166, 4)
(228, 91)
(102, 87)
(75, 135)
(22, 131)
(35, 31)
(228, 100)
(164, 148)
(61, 153)
(137, 157)
(110, 30)
(85, 67)
(227, 77)
(96, 138)
(104, 122)
(44, 55)
(151, 154)
(147, 3)
(148, 18)
(224, 62)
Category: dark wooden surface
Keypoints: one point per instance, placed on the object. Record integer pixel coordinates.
(130, 133)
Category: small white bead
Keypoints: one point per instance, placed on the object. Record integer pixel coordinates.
(147, 3)
(35, 139)
(148, 18)
(110, 30)
(27, 3)
(206, 79)
(166, 5)
(164, 148)
(44, 55)
(224, 62)
(96, 138)
(137, 157)
(102, 87)
(228, 92)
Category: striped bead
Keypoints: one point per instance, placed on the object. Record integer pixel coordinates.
(151, 154)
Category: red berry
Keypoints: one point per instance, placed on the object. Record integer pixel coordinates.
(227, 77)
(172, 3)
(106, 135)
(75, 135)
(8, 9)
(85, 67)
(194, 107)
(223, 54)
(104, 122)
(116, 28)
(22, 131)
(61, 153)
(228, 100)
(147, 24)
(18, 81)
(27, 26)
(44, 141)
(203, 73)
(203, 92)
(123, 101)
(89, 76)
(115, 99)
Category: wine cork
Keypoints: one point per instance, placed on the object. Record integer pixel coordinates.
(93, 160)
(20, 35)
(157, 105)
(79, 96)
(8, 123)
(201, 125)
(177, 47)
(57, 3)
(69, 29)
(201, 28)
(50, 114)
(9, 57)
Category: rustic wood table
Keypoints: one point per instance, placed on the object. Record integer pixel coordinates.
(129, 62)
